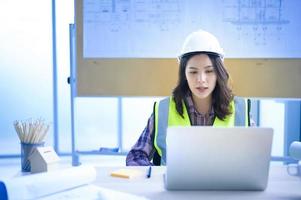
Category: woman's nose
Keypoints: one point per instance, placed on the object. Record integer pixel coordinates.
(202, 77)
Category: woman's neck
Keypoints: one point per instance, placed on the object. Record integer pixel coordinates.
(203, 106)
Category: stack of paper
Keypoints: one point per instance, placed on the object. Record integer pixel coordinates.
(92, 192)
(42, 184)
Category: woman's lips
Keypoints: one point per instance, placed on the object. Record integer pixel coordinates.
(202, 89)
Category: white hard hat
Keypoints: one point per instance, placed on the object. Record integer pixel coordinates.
(201, 41)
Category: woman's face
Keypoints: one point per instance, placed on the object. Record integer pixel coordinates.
(201, 76)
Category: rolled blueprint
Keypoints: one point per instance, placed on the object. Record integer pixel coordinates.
(42, 184)
(295, 150)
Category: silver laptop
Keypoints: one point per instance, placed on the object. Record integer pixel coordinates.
(208, 158)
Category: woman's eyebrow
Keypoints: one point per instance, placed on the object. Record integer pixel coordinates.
(192, 67)
(208, 66)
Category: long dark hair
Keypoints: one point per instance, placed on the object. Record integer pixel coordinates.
(222, 94)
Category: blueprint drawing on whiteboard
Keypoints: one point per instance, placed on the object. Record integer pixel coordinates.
(157, 28)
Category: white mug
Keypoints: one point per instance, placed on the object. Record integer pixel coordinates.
(295, 150)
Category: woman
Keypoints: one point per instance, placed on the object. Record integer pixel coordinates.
(201, 98)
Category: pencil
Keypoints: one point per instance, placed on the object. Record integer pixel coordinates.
(149, 172)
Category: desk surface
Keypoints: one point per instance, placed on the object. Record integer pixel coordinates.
(280, 186)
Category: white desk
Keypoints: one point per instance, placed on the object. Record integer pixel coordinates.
(280, 186)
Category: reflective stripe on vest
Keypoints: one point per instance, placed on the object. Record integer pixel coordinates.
(167, 115)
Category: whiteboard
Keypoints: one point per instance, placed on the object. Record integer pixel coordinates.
(157, 28)
(263, 56)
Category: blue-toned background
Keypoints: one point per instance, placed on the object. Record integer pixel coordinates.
(246, 29)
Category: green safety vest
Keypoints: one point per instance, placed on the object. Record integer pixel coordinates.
(166, 115)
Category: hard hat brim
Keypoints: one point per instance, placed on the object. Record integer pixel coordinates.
(200, 52)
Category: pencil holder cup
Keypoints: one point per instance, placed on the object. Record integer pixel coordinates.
(26, 151)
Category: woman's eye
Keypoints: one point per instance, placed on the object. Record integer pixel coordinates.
(209, 71)
(192, 72)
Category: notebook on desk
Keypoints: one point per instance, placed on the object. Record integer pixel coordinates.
(208, 158)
